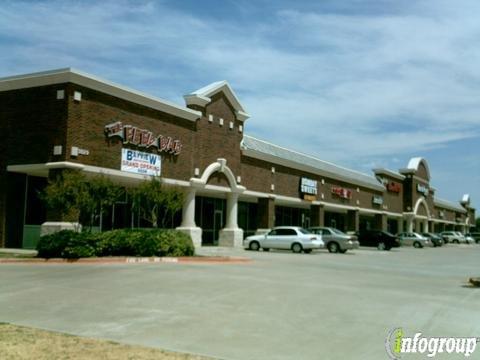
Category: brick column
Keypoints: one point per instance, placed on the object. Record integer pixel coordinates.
(381, 222)
(266, 214)
(317, 215)
(353, 220)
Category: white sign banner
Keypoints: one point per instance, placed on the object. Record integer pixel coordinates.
(142, 163)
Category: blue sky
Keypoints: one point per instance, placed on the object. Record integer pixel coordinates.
(363, 83)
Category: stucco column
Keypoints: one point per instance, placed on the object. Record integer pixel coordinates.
(188, 225)
(188, 210)
(409, 223)
(231, 235)
(232, 211)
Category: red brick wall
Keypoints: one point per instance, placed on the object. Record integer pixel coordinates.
(87, 120)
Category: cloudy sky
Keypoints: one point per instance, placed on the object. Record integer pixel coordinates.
(362, 83)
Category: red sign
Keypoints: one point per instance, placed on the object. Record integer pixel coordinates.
(143, 138)
(394, 187)
(342, 192)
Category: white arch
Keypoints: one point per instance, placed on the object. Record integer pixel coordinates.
(221, 166)
(415, 162)
(417, 205)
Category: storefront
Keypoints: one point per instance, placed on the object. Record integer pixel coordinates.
(234, 185)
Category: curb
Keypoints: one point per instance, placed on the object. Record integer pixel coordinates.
(132, 260)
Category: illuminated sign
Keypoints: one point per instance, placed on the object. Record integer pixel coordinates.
(143, 138)
(342, 192)
(142, 163)
(422, 189)
(394, 187)
(377, 199)
(308, 186)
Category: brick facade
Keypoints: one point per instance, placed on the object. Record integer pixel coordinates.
(36, 121)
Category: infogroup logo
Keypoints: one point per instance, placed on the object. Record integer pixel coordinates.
(397, 344)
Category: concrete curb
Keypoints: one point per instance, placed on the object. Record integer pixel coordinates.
(132, 260)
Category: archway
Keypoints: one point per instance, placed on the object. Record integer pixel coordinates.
(231, 234)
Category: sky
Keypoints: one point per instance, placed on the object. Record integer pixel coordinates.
(361, 83)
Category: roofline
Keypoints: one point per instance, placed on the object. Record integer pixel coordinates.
(448, 205)
(69, 75)
(275, 159)
(389, 172)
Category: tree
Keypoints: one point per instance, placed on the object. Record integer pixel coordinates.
(72, 194)
(150, 199)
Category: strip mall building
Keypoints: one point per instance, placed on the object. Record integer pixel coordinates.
(235, 184)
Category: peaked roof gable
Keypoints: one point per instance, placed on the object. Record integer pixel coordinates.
(203, 96)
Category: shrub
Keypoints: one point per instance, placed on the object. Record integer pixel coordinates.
(124, 242)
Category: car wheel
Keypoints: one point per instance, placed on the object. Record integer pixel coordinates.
(307, 251)
(333, 247)
(381, 246)
(297, 248)
(254, 245)
(455, 241)
(266, 249)
(417, 245)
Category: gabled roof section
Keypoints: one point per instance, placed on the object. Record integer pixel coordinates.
(69, 75)
(448, 205)
(266, 151)
(203, 96)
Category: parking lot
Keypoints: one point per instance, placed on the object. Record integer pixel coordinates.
(279, 306)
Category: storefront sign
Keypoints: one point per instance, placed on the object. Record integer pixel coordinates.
(308, 186)
(394, 187)
(377, 199)
(422, 189)
(143, 138)
(342, 192)
(142, 163)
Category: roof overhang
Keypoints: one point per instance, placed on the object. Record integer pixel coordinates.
(68, 75)
(293, 164)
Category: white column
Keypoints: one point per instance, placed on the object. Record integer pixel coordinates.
(410, 224)
(231, 235)
(188, 210)
(188, 225)
(232, 211)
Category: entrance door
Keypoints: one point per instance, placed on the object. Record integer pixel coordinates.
(217, 225)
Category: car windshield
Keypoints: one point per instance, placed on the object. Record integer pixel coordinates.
(304, 231)
(336, 231)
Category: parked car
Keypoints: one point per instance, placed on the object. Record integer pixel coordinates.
(415, 239)
(475, 236)
(469, 239)
(381, 239)
(434, 238)
(451, 237)
(292, 238)
(335, 240)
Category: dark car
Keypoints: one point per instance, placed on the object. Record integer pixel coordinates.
(382, 240)
(434, 238)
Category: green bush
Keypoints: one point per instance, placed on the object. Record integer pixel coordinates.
(124, 242)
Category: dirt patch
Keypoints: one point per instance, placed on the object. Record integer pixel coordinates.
(19, 342)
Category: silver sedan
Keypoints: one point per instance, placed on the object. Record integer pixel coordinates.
(411, 238)
(292, 238)
(336, 240)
